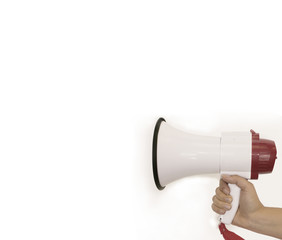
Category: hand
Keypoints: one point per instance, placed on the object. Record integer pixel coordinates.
(249, 203)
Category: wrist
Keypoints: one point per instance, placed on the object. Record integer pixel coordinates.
(249, 221)
(266, 220)
(255, 219)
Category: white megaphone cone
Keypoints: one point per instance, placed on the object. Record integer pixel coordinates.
(177, 154)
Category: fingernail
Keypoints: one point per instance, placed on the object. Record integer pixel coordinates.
(229, 199)
(221, 211)
(228, 207)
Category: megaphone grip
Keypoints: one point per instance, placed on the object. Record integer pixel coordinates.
(228, 217)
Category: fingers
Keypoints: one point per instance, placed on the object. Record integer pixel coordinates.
(218, 210)
(239, 181)
(221, 202)
(224, 187)
(222, 196)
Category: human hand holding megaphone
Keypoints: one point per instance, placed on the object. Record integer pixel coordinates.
(177, 154)
(251, 214)
(249, 202)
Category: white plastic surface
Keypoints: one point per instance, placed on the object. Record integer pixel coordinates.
(236, 159)
(182, 154)
(236, 154)
(228, 217)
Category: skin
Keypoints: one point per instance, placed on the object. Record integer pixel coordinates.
(251, 214)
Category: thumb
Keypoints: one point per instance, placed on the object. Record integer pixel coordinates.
(234, 179)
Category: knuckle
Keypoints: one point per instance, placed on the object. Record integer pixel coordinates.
(217, 209)
(214, 208)
(220, 194)
(218, 191)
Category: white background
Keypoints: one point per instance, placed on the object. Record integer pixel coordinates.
(82, 84)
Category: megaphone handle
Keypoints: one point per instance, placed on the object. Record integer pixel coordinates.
(228, 217)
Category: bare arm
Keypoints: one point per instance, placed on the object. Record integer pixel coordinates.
(267, 221)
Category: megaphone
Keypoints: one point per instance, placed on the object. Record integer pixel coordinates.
(177, 154)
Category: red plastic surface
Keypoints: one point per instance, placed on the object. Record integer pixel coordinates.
(263, 155)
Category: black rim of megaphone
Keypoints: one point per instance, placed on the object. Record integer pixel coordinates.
(155, 156)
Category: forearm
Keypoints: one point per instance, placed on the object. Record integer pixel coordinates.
(266, 221)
